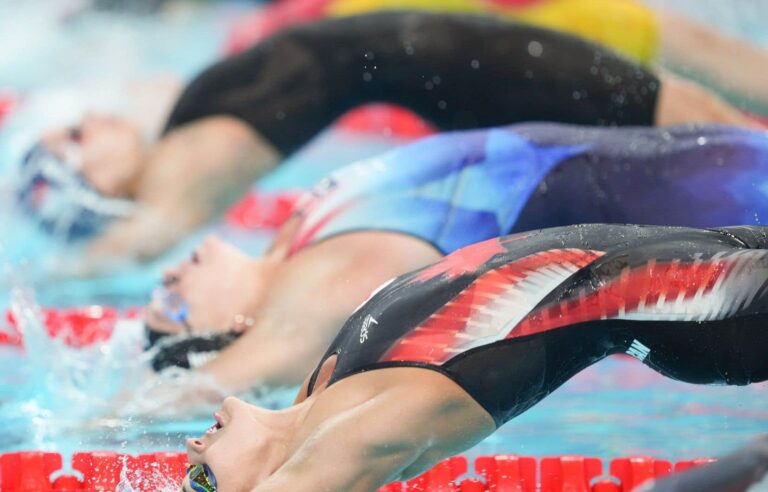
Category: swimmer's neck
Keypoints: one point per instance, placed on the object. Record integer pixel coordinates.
(376, 427)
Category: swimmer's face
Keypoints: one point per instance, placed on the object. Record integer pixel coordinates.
(108, 150)
(244, 447)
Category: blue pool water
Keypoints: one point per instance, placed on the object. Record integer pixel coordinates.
(57, 398)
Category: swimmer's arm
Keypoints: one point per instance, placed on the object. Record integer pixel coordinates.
(193, 175)
(730, 63)
(400, 432)
(308, 302)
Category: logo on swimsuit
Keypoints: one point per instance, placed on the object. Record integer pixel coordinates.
(366, 327)
(324, 186)
(638, 350)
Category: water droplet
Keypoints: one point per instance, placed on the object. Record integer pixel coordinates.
(535, 49)
(367, 76)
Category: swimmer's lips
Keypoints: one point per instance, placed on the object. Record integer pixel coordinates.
(215, 427)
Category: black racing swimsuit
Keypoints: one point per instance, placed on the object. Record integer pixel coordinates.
(511, 319)
(455, 70)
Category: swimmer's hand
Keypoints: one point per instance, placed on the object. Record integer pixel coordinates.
(139, 238)
(122, 247)
(172, 394)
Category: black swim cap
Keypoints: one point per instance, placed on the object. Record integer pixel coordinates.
(186, 351)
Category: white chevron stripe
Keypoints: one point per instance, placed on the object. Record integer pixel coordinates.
(493, 321)
(730, 293)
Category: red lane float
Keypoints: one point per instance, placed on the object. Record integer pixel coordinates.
(681, 466)
(8, 101)
(508, 472)
(254, 27)
(634, 472)
(387, 120)
(101, 471)
(572, 473)
(76, 327)
(759, 119)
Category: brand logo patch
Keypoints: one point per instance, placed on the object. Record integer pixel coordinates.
(638, 350)
(368, 323)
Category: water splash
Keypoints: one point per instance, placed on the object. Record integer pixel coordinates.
(65, 398)
(141, 480)
(58, 388)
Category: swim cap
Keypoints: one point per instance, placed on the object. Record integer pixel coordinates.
(185, 351)
(56, 194)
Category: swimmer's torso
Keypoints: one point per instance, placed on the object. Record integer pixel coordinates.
(455, 71)
(510, 319)
(456, 189)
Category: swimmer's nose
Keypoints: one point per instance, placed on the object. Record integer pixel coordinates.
(231, 403)
(54, 141)
(195, 448)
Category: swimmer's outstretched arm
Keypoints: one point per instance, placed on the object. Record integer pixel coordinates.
(193, 175)
(308, 299)
(379, 427)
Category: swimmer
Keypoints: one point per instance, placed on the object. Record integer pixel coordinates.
(736, 472)
(242, 116)
(382, 217)
(437, 359)
(643, 33)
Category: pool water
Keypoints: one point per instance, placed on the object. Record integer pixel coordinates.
(57, 398)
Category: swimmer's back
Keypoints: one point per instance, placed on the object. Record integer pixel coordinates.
(511, 319)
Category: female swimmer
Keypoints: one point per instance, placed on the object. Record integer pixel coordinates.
(627, 26)
(380, 218)
(240, 117)
(438, 358)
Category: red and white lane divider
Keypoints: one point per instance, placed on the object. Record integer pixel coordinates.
(38, 471)
(77, 327)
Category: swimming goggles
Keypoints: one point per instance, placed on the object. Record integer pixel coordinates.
(172, 305)
(201, 478)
